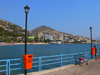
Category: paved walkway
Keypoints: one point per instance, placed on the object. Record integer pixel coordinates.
(93, 68)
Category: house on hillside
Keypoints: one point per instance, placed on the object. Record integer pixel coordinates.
(11, 30)
(22, 32)
(23, 29)
(2, 26)
(72, 40)
(7, 28)
(20, 37)
(47, 36)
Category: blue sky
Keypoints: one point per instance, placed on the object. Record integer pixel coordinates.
(70, 16)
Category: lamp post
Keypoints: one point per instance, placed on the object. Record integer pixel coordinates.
(91, 40)
(26, 11)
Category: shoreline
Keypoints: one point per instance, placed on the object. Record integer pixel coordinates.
(3, 44)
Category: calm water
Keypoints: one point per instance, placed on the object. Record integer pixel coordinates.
(17, 51)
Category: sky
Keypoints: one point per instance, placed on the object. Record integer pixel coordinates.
(69, 16)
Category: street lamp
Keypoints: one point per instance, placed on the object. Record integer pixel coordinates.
(26, 11)
(91, 40)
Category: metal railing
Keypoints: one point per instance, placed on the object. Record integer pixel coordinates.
(9, 65)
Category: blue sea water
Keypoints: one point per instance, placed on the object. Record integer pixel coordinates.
(17, 51)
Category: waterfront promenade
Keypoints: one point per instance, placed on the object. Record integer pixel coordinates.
(93, 68)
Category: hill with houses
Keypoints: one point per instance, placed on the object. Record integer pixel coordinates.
(41, 34)
(11, 27)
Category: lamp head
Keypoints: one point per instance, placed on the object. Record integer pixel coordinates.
(26, 9)
(90, 28)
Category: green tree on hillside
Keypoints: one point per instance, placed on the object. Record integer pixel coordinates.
(1, 29)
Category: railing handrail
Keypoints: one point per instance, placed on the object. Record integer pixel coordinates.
(60, 58)
(43, 56)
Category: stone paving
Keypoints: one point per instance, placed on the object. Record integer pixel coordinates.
(93, 68)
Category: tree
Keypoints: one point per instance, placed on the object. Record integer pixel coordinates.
(1, 29)
(7, 40)
(36, 39)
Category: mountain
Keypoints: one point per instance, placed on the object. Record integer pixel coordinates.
(11, 27)
(44, 29)
(5, 22)
(11, 31)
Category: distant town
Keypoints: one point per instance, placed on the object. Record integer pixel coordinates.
(64, 38)
(10, 32)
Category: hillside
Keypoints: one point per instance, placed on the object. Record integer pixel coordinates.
(43, 29)
(11, 27)
(10, 32)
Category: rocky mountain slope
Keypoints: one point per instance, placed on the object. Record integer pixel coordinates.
(47, 30)
(43, 29)
(11, 27)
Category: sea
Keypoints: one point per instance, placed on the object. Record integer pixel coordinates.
(17, 51)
